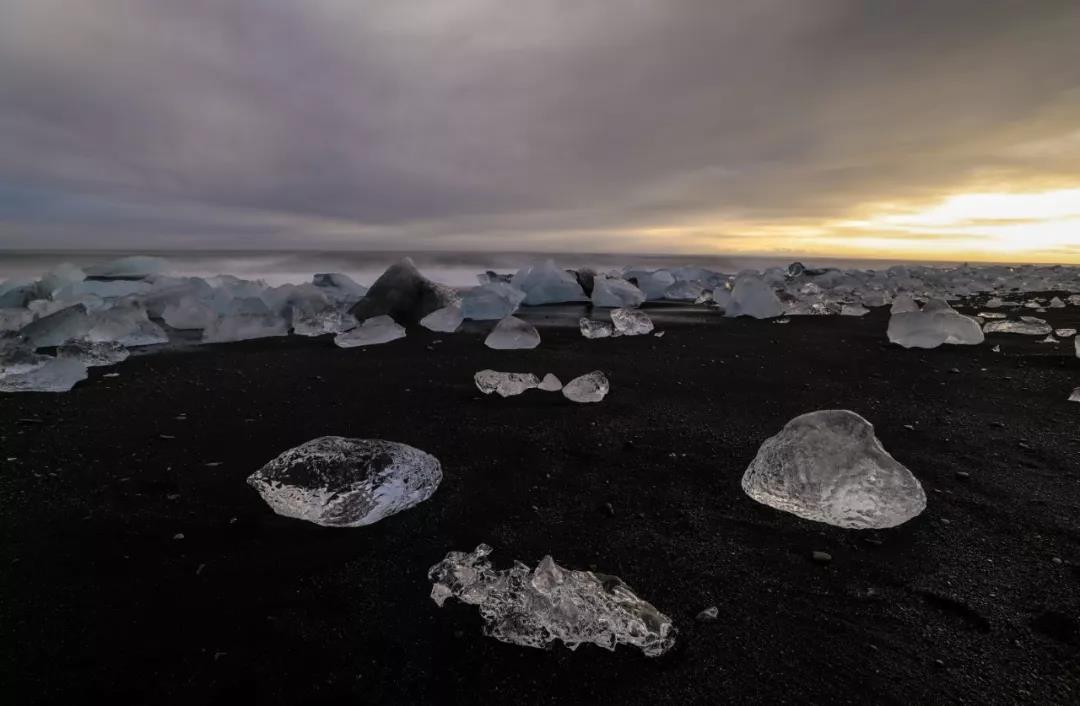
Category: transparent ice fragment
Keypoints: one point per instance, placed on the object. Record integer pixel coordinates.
(615, 292)
(39, 373)
(1065, 332)
(590, 328)
(1075, 396)
(513, 333)
(752, 296)
(491, 301)
(591, 387)
(445, 320)
(1026, 326)
(535, 607)
(14, 319)
(904, 303)
(683, 290)
(992, 315)
(828, 466)
(246, 318)
(339, 482)
(377, 329)
(318, 323)
(189, 312)
(57, 328)
(505, 384)
(550, 383)
(653, 284)
(935, 325)
(93, 353)
(127, 325)
(631, 322)
(853, 310)
(546, 284)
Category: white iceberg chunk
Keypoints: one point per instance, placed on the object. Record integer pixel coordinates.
(513, 333)
(445, 320)
(653, 284)
(189, 312)
(1065, 332)
(491, 301)
(685, 291)
(631, 322)
(904, 303)
(340, 482)
(57, 328)
(505, 384)
(22, 370)
(933, 326)
(1026, 326)
(247, 318)
(547, 284)
(590, 328)
(127, 325)
(752, 296)
(591, 387)
(93, 353)
(1075, 396)
(828, 466)
(1056, 303)
(318, 323)
(535, 607)
(376, 330)
(14, 319)
(853, 310)
(550, 383)
(615, 292)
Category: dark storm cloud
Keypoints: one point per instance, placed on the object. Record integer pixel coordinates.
(470, 122)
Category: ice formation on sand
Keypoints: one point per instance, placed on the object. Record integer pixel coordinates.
(653, 284)
(445, 320)
(752, 296)
(93, 353)
(491, 301)
(1027, 326)
(403, 294)
(377, 329)
(550, 383)
(828, 466)
(506, 384)
(127, 325)
(547, 284)
(590, 328)
(615, 292)
(317, 323)
(936, 324)
(853, 310)
(57, 328)
(631, 322)
(1075, 396)
(340, 482)
(535, 607)
(21, 370)
(247, 318)
(512, 333)
(591, 387)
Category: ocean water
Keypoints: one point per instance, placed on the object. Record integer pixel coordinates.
(456, 269)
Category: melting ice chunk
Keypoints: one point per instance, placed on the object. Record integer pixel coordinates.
(317, 323)
(591, 387)
(828, 466)
(377, 329)
(491, 301)
(57, 328)
(752, 296)
(547, 284)
(513, 333)
(938, 323)
(853, 310)
(1075, 396)
(591, 328)
(631, 322)
(904, 303)
(445, 320)
(39, 373)
(550, 383)
(14, 319)
(613, 292)
(1027, 326)
(340, 482)
(189, 312)
(1065, 332)
(535, 607)
(247, 318)
(126, 325)
(506, 384)
(93, 353)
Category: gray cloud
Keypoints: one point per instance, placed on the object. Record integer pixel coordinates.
(483, 123)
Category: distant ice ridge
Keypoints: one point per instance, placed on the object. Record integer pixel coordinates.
(535, 607)
(828, 466)
(341, 482)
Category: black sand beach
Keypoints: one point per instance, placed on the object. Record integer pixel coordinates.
(140, 568)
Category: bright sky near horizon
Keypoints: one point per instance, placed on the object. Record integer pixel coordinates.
(920, 129)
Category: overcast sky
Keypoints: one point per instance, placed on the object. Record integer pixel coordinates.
(607, 125)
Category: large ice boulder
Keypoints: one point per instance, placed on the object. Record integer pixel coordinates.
(652, 283)
(22, 370)
(403, 294)
(934, 325)
(246, 318)
(513, 333)
(546, 284)
(612, 292)
(341, 288)
(535, 607)
(93, 353)
(752, 296)
(341, 482)
(491, 301)
(127, 325)
(189, 312)
(1026, 326)
(828, 466)
(57, 328)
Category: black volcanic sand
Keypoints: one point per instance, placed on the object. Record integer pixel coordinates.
(975, 601)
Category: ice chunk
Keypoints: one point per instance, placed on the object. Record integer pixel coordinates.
(189, 313)
(631, 322)
(339, 482)
(247, 318)
(377, 329)
(24, 371)
(1027, 326)
(134, 267)
(403, 294)
(904, 303)
(317, 323)
(595, 329)
(751, 296)
(1074, 299)
(550, 383)
(653, 284)
(491, 301)
(512, 333)
(612, 292)
(93, 353)
(127, 325)
(932, 327)
(828, 466)
(341, 288)
(535, 607)
(63, 274)
(445, 320)
(547, 284)
(685, 291)
(1075, 396)
(991, 315)
(15, 319)
(591, 387)
(853, 310)
(57, 328)
(1065, 332)
(1049, 339)
(1056, 303)
(506, 384)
